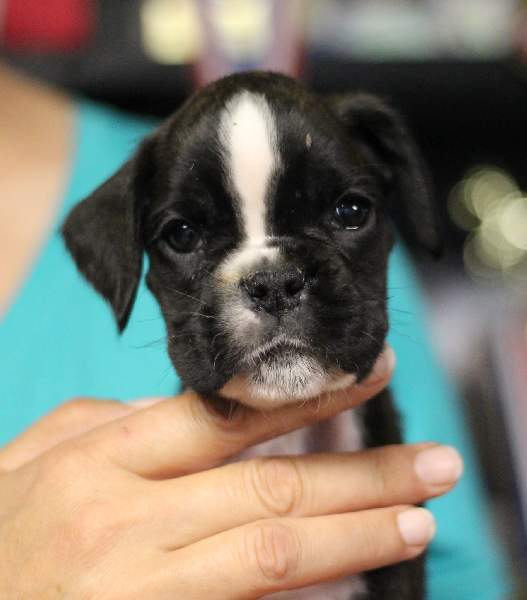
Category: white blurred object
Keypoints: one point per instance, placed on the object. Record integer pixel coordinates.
(223, 36)
(405, 29)
(250, 34)
(488, 204)
(373, 28)
(474, 28)
(170, 31)
(243, 28)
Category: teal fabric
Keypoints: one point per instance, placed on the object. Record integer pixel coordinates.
(58, 340)
(464, 561)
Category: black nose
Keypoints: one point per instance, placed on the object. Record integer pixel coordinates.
(275, 290)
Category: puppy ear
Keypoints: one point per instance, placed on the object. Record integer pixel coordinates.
(103, 234)
(382, 138)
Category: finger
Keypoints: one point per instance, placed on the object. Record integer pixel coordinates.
(299, 486)
(282, 554)
(65, 422)
(185, 435)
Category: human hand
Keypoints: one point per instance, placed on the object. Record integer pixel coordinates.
(142, 506)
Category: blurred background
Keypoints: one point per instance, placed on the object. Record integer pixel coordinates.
(458, 72)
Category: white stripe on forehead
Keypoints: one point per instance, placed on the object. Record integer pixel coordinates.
(248, 133)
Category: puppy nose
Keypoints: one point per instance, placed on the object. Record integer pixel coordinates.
(275, 291)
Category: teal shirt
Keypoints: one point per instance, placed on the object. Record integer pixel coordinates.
(58, 340)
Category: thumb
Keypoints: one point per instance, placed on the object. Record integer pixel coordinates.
(65, 422)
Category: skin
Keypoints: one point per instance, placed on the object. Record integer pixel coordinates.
(105, 500)
(36, 124)
(153, 509)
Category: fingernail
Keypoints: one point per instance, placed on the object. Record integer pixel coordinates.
(382, 368)
(439, 465)
(144, 402)
(417, 526)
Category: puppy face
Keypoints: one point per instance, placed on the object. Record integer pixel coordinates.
(265, 214)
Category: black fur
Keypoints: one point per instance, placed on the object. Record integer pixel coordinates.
(405, 581)
(355, 142)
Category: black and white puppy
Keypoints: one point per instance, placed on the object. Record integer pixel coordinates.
(267, 214)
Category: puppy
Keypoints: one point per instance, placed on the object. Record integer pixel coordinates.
(267, 215)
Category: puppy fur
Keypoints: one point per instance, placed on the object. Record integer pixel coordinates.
(268, 214)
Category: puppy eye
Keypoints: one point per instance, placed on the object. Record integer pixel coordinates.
(181, 236)
(352, 211)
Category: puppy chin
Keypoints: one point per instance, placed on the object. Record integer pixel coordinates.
(275, 384)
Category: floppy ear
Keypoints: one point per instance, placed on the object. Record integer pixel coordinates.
(103, 234)
(382, 138)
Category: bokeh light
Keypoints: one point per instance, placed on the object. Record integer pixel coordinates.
(489, 205)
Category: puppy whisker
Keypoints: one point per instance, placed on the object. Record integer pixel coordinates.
(197, 314)
(150, 344)
(216, 357)
(184, 335)
(187, 296)
(369, 335)
(150, 320)
(408, 337)
(406, 312)
(223, 333)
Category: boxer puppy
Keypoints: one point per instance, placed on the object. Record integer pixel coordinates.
(267, 213)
